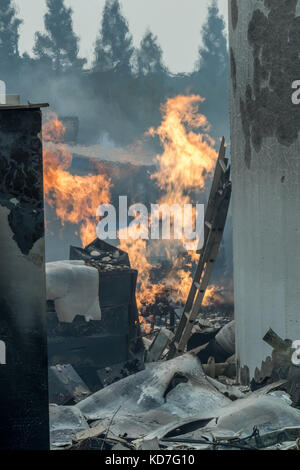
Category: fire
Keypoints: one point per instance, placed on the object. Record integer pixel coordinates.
(212, 295)
(53, 129)
(74, 198)
(188, 159)
(188, 156)
(220, 295)
(147, 291)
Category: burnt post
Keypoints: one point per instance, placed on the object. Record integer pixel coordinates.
(265, 148)
(24, 422)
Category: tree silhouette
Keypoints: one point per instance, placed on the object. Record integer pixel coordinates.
(9, 36)
(59, 46)
(113, 51)
(213, 56)
(211, 77)
(149, 56)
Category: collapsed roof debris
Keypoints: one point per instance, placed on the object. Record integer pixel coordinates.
(125, 393)
(174, 405)
(65, 422)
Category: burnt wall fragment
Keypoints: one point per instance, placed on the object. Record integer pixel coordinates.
(234, 13)
(267, 109)
(24, 422)
(21, 182)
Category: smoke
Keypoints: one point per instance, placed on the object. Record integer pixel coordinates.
(115, 111)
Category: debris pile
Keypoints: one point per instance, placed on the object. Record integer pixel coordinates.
(176, 387)
(93, 326)
(279, 366)
(175, 405)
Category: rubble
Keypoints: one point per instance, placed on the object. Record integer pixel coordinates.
(174, 388)
(190, 402)
(221, 346)
(159, 344)
(160, 394)
(279, 366)
(65, 385)
(115, 372)
(247, 423)
(174, 405)
(65, 422)
(92, 316)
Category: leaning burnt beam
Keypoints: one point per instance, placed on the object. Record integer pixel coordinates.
(215, 219)
(24, 420)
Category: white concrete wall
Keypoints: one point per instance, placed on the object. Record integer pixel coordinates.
(266, 176)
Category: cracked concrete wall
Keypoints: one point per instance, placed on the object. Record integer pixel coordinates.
(24, 422)
(265, 149)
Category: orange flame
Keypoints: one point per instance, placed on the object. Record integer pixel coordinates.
(53, 129)
(74, 198)
(137, 251)
(219, 294)
(188, 158)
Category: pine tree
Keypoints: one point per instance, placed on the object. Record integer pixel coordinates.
(213, 55)
(211, 77)
(9, 35)
(113, 51)
(59, 45)
(149, 56)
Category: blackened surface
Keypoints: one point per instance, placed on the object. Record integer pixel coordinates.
(233, 69)
(21, 174)
(88, 354)
(245, 375)
(267, 109)
(24, 421)
(234, 13)
(114, 320)
(23, 385)
(65, 385)
(27, 224)
(95, 345)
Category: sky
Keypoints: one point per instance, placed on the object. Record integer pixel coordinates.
(177, 24)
